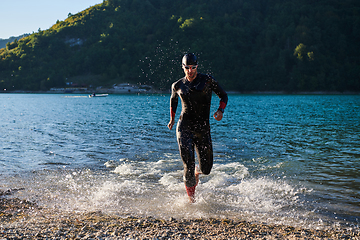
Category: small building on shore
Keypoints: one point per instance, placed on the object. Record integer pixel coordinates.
(126, 88)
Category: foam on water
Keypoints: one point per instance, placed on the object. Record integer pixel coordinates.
(156, 189)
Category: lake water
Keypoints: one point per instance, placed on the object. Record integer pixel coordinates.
(279, 159)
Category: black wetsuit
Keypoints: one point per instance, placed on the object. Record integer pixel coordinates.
(193, 128)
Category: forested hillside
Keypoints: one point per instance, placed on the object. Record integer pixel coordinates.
(3, 42)
(248, 45)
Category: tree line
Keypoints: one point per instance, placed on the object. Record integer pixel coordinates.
(292, 46)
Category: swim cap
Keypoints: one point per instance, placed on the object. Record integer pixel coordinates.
(189, 59)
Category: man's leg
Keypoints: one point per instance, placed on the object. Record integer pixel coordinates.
(186, 149)
(203, 146)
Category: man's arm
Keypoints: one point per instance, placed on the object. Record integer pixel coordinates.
(173, 106)
(219, 91)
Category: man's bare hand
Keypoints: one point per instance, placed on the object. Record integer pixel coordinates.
(218, 115)
(171, 124)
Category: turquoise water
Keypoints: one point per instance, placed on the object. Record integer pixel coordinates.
(284, 159)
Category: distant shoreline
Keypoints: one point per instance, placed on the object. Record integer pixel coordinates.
(168, 92)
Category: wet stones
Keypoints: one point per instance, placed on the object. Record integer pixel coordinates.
(26, 220)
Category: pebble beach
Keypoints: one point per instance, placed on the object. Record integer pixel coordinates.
(21, 219)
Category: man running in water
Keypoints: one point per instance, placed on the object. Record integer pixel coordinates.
(193, 129)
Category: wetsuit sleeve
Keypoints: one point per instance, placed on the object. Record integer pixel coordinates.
(173, 101)
(219, 91)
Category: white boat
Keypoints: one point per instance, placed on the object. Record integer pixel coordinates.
(98, 95)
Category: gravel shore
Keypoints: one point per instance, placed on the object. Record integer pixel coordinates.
(21, 219)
